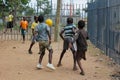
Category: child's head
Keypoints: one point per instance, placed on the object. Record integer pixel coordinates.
(10, 12)
(35, 18)
(69, 20)
(41, 18)
(24, 18)
(81, 24)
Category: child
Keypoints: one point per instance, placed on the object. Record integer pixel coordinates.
(23, 27)
(68, 31)
(34, 24)
(44, 38)
(9, 22)
(80, 39)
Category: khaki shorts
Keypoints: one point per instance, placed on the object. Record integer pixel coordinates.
(44, 45)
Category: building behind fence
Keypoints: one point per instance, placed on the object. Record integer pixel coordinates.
(104, 26)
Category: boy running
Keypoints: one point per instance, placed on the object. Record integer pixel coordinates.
(68, 31)
(34, 24)
(42, 32)
(80, 38)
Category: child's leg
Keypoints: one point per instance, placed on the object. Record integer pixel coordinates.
(23, 37)
(80, 65)
(23, 34)
(41, 55)
(31, 45)
(50, 56)
(50, 65)
(65, 47)
(84, 55)
(5, 30)
(11, 30)
(74, 51)
(74, 59)
(61, 56)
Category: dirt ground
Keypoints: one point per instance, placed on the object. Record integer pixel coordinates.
(17, 64)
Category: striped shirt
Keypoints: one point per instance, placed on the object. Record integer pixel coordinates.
(69, 31)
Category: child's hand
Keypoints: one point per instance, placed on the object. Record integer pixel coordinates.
(49, 41)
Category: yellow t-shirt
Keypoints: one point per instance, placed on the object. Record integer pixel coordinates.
(34, 24)
(10, 18)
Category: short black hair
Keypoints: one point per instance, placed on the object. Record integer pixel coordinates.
(69, 20)
(24, 18)
(40, 18)
(35, 17)
(81, 24)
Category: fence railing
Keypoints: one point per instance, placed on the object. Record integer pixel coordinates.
(104, 26)
(74, 10)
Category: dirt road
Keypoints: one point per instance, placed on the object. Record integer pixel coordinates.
(17, 64)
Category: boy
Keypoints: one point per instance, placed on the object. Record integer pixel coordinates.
(9, 22)
(44, 38)
(68, 31)
(23, 27)
(34, 24)
(80, 39)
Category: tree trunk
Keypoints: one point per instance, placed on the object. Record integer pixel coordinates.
(57, 21)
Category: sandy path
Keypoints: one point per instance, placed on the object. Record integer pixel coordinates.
(17, 64)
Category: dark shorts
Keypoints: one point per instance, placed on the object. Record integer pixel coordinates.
(23, 31)
(10, 24)
(66, 44)
(33, 38)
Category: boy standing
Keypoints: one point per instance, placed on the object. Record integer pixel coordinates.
(23, 27)
(42, 32)
(9, 22)
(68, 31)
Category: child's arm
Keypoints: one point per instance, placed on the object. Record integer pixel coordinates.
(27, 26)
(32, 27)
(75, 37)
(20, 26)
(61, 34)
(33, 32)
(49, 35)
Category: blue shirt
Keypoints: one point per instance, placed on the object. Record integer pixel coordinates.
(42, 29)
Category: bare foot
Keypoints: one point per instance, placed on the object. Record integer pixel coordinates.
(75, 68)
(82, 73)
(29, 51)
(58, 65)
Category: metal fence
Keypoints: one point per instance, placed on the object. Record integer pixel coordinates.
(74, 10)
(104, 26)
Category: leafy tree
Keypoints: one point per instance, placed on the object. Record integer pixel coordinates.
(12, 5)
(2, 8)
(29, 11)
(43, 7)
